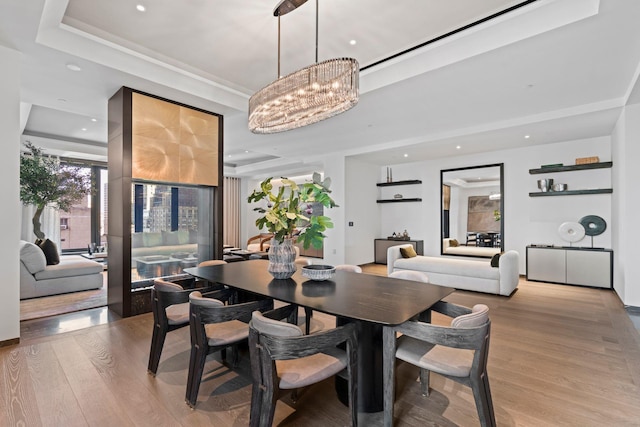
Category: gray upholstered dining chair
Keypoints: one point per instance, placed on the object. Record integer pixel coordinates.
(458, 352)
(214, 327)
(170, 307)
(417, 276)
(282, 357)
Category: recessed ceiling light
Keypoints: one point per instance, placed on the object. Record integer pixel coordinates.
(94, 119)
(141, 8)
(73, 67)
(84, 129)
(352, 42)
(229, 155)
(246, 151)
(527, 136)
(458, 147)
(406, 155)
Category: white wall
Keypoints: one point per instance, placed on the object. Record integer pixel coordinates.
(335, 243)
(9, 194)
(361, 209)
(626, 205)
(526, 219)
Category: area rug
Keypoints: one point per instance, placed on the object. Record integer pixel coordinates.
(36, 308)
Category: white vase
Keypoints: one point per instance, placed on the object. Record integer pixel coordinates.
(282, 257)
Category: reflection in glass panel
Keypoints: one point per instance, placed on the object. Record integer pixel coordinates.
(165, 229)
(472, 209)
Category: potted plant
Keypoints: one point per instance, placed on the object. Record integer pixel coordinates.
(44, 181)
(288, 214)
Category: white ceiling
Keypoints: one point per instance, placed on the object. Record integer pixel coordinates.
(556, 70)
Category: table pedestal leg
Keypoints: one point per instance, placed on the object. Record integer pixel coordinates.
(369, 368)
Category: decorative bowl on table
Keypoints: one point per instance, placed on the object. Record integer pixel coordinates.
(318, 272)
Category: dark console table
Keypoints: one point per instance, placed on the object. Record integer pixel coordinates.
(381, 246)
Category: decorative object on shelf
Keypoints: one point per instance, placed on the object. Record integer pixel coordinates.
(405, 234)
(559, 187)
(306, 96)
(571, 232)
(285, 214)
(593, 226)
(587, 160)
(389, 175)
(397, 196)
(545, 184)
(318, 272)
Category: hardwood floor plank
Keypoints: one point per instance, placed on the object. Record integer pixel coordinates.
(18, 395)
(57, 403)
(99, 404)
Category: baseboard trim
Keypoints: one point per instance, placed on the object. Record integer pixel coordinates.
(7, 343)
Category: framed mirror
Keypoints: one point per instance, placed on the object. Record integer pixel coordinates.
(472, 211)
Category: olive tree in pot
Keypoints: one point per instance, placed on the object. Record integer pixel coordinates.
(45, 181)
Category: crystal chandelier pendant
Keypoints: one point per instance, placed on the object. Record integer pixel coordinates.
(306, 96)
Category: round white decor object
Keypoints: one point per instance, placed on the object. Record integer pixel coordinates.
(571, 231)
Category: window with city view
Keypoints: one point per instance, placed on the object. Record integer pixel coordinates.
(164, 230)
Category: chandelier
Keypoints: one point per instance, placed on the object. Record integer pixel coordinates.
(306, 96)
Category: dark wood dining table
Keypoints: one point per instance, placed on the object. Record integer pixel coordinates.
(369, 300)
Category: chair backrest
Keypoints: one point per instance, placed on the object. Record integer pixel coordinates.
(417, 276)
(277, 328)
(212, 262)
(196, 298)
(479, 316)
(165, 286)
(349, 267)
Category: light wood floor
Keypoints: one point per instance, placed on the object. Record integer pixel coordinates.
(559, 356)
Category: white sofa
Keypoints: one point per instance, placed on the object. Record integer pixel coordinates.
(461, 273)
(478, 251)
(74, 273)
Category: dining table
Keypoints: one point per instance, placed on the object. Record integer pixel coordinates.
(370, 301)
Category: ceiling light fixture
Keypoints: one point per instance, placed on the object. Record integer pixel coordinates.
(527, 136)
(306, 96)
(73, 67)
(141, 8)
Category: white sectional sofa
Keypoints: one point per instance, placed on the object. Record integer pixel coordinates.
(74, 273)
(461, 273)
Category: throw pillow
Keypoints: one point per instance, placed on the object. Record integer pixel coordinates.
(495, 260)
(408, 252)
(32, 257)
(453, 243)
(50, 252)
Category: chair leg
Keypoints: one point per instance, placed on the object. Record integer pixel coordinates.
(196, 368)
(307, 314)
(268, 407)
(484, 403)
(157, 342)
(389, 375)
(256, 402)
(424, 381)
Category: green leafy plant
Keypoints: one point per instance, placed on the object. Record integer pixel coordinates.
(45, 181)
(289, 209)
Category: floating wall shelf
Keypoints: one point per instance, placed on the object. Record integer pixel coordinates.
(572, 192)
(398, 200)
(408, 182)
(600, 165)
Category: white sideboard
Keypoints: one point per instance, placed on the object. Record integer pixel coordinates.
(570, 265)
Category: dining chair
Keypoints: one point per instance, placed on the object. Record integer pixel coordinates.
(283, 358)
(349, 267)
(458, 352)
(214, 327)
(208, 263)
(170, 307)
(417, 276)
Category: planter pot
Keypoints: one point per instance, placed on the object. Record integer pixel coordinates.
(282, 257)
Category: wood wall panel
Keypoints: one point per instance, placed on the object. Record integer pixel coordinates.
(173, 143)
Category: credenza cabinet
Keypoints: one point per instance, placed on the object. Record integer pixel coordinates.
(571, 266)
(381, 246)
